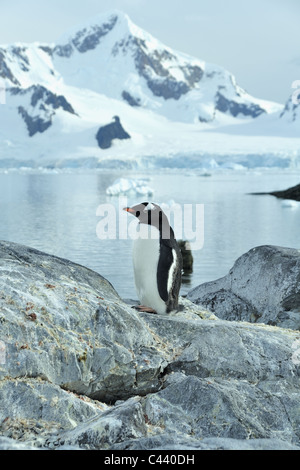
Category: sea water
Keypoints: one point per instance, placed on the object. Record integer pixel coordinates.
(56, 212)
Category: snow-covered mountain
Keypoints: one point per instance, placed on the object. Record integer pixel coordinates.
(58, 95)
(291, 111)
(114, 57)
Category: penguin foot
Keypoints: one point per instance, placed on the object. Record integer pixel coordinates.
(143, 308)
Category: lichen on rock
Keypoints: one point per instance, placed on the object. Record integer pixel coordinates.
(81, 369)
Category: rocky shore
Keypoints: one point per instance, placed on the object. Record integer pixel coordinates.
(81, 369)
(290, 193)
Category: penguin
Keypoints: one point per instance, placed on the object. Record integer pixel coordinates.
(157, 260)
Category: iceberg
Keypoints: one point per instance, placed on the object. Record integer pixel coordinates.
(290, 203)
(123, 186)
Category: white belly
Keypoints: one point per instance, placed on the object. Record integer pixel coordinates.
(145, 261)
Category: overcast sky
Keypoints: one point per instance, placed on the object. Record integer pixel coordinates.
(257, 40)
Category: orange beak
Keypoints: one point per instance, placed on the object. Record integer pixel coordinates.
(128, 209)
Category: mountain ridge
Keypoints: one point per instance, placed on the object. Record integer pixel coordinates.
(150, 70)
(64, 91)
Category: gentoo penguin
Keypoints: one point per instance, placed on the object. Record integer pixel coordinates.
(157, 260)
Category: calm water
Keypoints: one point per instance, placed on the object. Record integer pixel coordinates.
(56, 213)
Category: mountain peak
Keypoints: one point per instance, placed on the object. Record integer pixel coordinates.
(99, 26)
(111, 58)
(88, 35)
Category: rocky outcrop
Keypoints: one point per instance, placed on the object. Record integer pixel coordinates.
(263, 286)
(234, 108)
(34, 124)
(159, 78)
(290, 193)
(81, 369)
(83, 42)
(114, 130)
(131, 100)
(39, 113)
(5, 70)
(291, 110)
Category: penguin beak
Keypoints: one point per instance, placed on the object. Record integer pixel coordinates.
(128, 209)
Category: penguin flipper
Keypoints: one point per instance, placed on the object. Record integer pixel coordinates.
(163, 269)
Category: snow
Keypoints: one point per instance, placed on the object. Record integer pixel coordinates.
(164, 133)
(125, 186)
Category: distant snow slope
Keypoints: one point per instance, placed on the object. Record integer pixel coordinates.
(171, 104)
(291, 112)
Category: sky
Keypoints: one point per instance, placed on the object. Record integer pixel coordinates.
(256, 40)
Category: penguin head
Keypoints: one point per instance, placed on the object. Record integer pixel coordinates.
(150, 214)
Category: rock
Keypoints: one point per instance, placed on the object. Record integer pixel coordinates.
(123, 421)
(83, 42)
(290, 193)
(235, 108)
(66, 324)
(22, 420)
(46, 102)
(165, 441)
(291, 110)
(10, 444)
(159, 79)
(131, 100)
(81, 369)
(262, 286)
(106, 134)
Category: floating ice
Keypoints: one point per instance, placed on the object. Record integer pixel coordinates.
(126, 186)
(290, 203)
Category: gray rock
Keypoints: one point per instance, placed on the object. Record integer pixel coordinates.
(81, 369)
(85, 40)
(235, 108)
(123, 421)
(184, 443)
(290, 111)
(10, 444)
(222, 408)
(158, 78)
(131, 100)
(290, 193)
(43, 100)
(66, 324)
(31, 410)
(263, 286)
(114, 130)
